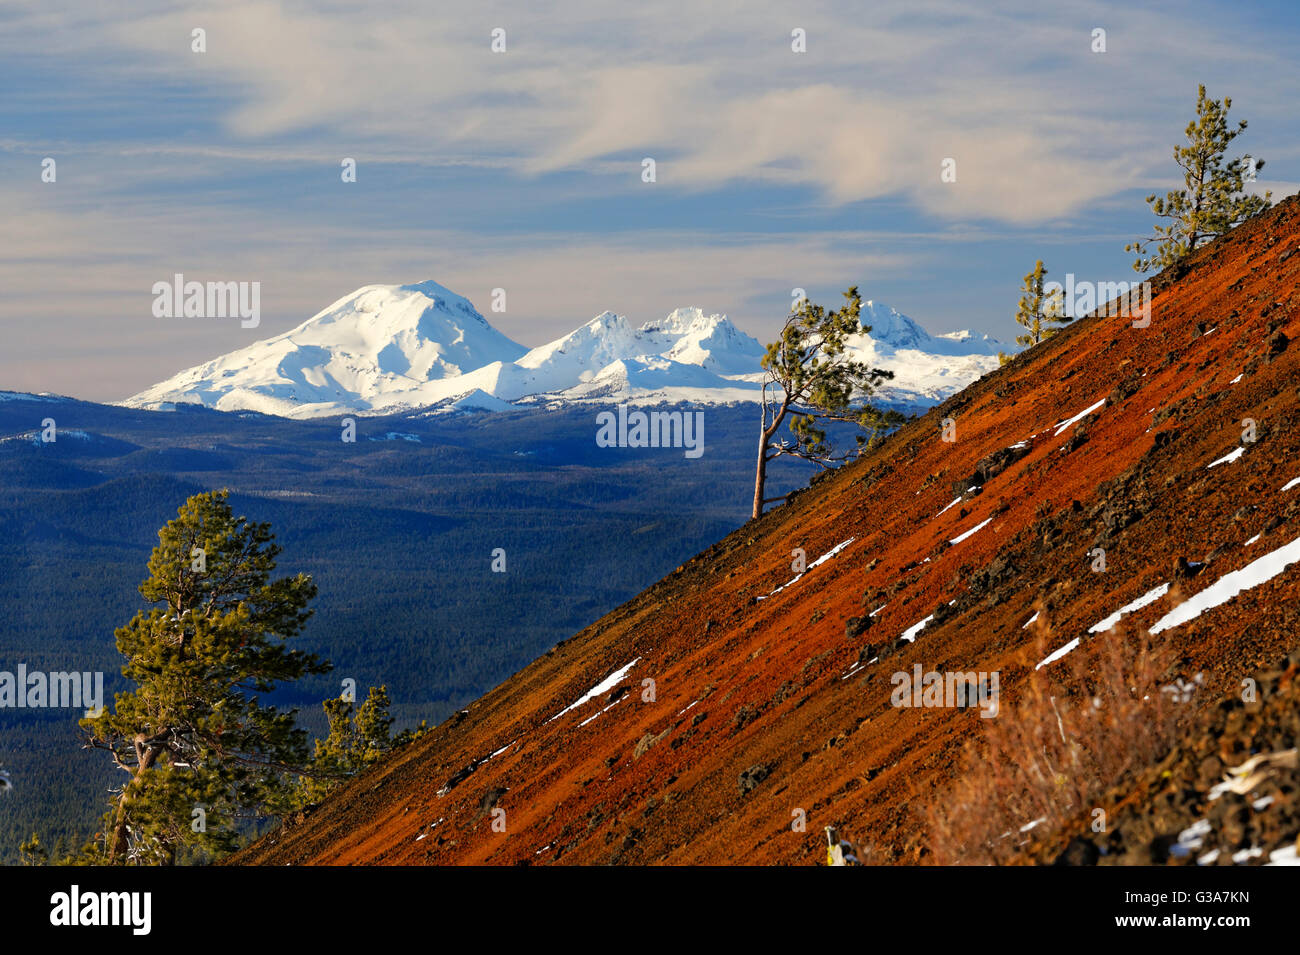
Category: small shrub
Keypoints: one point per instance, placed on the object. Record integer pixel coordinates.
(1080, 727)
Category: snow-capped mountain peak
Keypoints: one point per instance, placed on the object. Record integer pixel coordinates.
(891, 328)
(391, 348)
(710, 341)
(378, 342)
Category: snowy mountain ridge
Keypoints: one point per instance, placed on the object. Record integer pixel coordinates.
(385, 349)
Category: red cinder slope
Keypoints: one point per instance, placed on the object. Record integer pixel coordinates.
(741, 702)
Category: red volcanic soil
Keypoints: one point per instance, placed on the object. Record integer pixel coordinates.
(766, 703)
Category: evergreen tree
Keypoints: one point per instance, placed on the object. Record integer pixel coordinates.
(1214, 199)
(811, 379)
(358, 738)
(1039, 312)
(199, 747)
(32, 852)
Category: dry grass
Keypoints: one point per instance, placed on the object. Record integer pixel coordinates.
(1080, 725)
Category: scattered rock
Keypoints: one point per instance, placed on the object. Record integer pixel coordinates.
(751, 777)
(647, 741)
(489, 801)
(743, 717)
(1277, 344)
(857, 626)
(1078, 852)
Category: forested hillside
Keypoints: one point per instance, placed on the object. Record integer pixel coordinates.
(397, 528)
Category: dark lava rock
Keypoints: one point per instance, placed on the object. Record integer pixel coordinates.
(1277, 344)
(489, 801)
(1079, 852)
(942, 613)
(857, 626)
(751, 777)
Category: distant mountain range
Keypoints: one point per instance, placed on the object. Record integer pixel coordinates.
(388, 349)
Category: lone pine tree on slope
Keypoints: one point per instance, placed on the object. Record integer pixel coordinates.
(1214, 200)
(199, 747)
(359, 737)
(811, 379)
(1039, 312)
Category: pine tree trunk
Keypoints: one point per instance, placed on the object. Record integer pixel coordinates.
(760, 476)
(148, 755)
(117, 848)
(764, 436)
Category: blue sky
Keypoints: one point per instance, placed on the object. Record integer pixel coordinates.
(522, 170)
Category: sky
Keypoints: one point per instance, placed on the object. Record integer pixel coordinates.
(523, 169)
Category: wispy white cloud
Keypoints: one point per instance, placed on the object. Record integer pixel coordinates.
(1037, 122)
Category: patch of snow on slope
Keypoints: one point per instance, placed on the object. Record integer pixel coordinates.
(604, 711)
(1149, 597)
(961, 537)
(1057, 654)
(604, 686)
(911, 632)
(1284, 856)
(1230, 585)
(1079, 417)
(816, 563)
(1190, 839)
(956, 500)
(1227, 458)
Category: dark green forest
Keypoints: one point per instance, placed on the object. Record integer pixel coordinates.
(397, 529)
